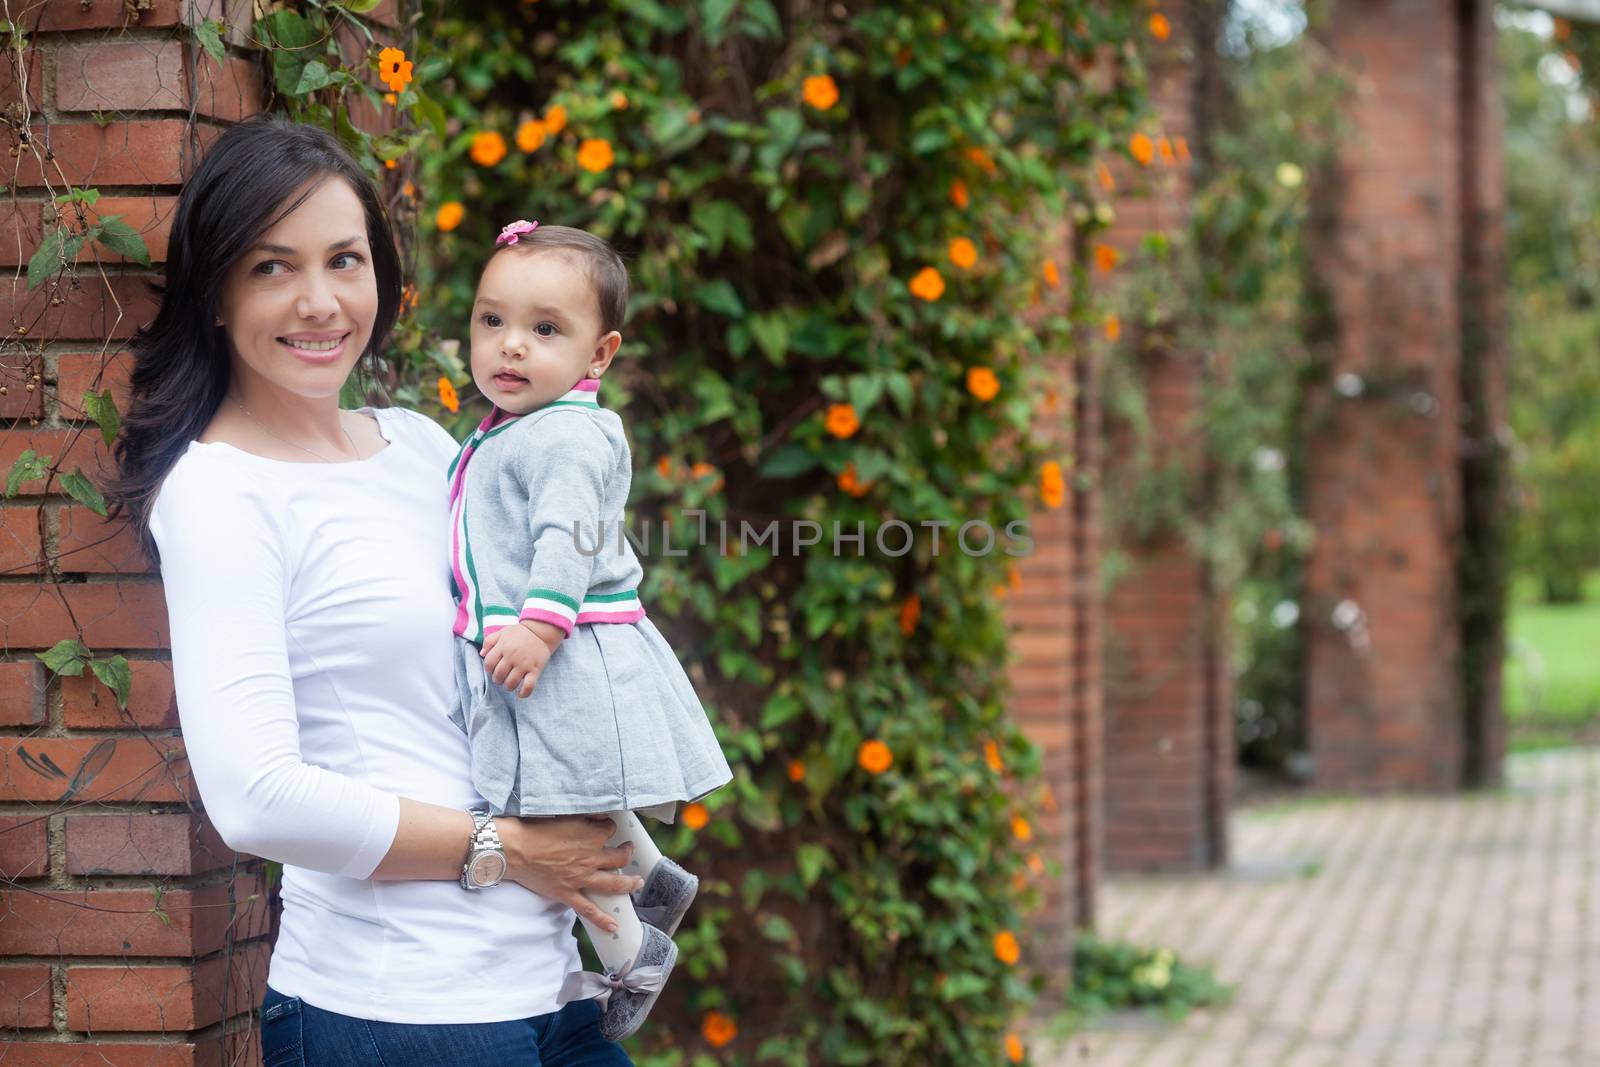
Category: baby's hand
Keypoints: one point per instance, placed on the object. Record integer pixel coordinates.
(515, 657)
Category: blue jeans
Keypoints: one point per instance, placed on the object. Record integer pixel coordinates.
(295, 1034)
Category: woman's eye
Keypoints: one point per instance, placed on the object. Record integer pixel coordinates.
(265, 269)
(353, 258)
(545, 329)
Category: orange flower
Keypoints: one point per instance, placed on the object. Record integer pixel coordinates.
(408, 191)
(594, 155)
(1035, 864)
(991, 756)
(1052, 400)
(389, 164)
(1049, 800)
(820, 91)
(664, 466)
(902, 57)
(701, 469)
(555, 118)
(1107, 182)
(531, 135)
(797, 771)
(874, 756)
(1014, 1051)
(910, 612)
(1160, 28)
(982, 160)
(1167, 155)
(718, 1029)
(1052, 274)
(1006, 949)
(1113, 327)
(1106, 257)
(841, 420)
(488, 148)
(963, 253)
(1052, 484)
(927, 285)
(1020, 828)
(449, 215)
(958, 194)
(394, 69)
(1142, 148)
(695, 816)
(619, 100)
(447, 395)
(390, 99)
(982, 383)
(1014, 576)
(1563, 29)
(1182, 145)
(851, 484)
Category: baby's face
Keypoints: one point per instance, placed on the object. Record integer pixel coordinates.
(535, 329)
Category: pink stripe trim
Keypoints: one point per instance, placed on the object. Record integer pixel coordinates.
(541, 615)
(460, 626)
(589, 385)
(611, 616)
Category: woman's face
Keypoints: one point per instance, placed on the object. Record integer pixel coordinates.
(298, 307)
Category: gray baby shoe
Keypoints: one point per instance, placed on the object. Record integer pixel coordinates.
(630, 1001)
(665, 897)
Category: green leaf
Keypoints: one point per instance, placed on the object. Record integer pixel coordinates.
(27, 468)
(427, 110)
(102, 408)
(779, 710)
(124, 240)
(864, 392)
(714, 15)
(83, 491)
(788, 461)
(777, 928)
(772, 334)
(720, 297)
(66, 657)
(116, 675)
(48, 257)
(359, 7)
(811, 861)
(209, 36)
(82, 196)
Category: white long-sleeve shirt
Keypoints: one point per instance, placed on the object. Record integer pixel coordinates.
(311, 613)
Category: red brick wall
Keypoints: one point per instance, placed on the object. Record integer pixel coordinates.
(1055, 676)
(1385, 699)
(129, 933)
(1169, 748)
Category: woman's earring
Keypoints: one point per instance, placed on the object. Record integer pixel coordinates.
(219, 320)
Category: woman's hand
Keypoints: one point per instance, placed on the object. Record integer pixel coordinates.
(560, 857)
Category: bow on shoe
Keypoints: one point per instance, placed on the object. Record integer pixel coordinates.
(587, 985)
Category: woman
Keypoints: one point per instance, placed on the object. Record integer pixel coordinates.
(303, 551)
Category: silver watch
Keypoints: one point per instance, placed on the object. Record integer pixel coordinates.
(486, 859)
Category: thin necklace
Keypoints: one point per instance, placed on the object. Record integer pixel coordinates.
(292, 444)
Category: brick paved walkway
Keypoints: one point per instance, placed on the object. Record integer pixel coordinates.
(1387, 932)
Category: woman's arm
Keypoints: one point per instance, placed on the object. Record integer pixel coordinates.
(224, 573)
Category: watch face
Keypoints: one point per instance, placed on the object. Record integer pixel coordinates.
(488, 868)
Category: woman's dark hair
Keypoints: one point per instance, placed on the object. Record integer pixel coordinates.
(247, 183)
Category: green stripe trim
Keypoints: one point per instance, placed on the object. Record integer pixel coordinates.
(611, 598)
(572, 404)
(551, 594)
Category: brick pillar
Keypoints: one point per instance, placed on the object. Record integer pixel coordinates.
(129, 933)
(1169, 744)
(1401, 221)
(1055, 676)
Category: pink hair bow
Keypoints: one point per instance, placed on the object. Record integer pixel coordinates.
(510, 234)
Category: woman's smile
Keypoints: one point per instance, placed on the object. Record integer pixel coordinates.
(318, 348)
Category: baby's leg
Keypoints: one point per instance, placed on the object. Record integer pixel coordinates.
(630, 829)
(615, 949)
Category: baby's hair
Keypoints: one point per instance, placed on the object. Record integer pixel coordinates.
(601, 263)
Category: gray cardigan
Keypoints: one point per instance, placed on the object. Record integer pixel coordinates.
(536, 504)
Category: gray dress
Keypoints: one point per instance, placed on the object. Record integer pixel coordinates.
(537, 510)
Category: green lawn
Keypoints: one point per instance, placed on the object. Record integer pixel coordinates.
(1552, 692)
